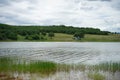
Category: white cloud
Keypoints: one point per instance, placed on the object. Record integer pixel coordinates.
(103, 14)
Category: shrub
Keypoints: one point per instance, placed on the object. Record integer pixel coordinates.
(51, 34)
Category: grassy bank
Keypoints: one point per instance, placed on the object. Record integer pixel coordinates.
(45, 67)
(11, 66)
(58, 37)
(61, 37)
(102, 38)
(96, 76)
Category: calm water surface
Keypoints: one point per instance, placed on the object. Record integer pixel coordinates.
(63, 52)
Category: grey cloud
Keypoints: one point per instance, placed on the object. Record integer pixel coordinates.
(100, 0)
(118, 29)
(87, 8)
(14, 21)
(101, 14)
(116, 4)
(4, 2)
(7, 2)
(106, 0)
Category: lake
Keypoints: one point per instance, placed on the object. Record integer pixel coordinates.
(69, 53)
(63, 52)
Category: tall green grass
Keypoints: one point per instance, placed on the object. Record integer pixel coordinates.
(108, 66)
(43, 67)
(8, 64)
(96, 76)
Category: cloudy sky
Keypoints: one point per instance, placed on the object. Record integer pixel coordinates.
(103, 14)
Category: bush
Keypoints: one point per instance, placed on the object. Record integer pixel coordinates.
(3, 36)
(79, 35)
(43, 33)
(32, 37)
(51, 34)
(12, 36)
(35, 37)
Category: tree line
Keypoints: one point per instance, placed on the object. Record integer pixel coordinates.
(33, 32)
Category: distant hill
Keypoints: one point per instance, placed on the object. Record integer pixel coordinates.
(12, 31)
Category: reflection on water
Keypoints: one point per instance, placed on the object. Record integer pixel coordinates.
(104, 57)
(63, 52)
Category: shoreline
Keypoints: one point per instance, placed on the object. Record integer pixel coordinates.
(59, 41)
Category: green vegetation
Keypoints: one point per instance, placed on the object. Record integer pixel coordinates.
(12, 65)
(78, 35)
(102, 38)
(54, 33)
(111, 66)
(57, 37)
(51, 34)
(43, 67)
(61, 37)
(68, 37)
(96, 76)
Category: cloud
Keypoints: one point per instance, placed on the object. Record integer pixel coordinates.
(3, 1)
(99, 0)
(103, 14)
(116, 4)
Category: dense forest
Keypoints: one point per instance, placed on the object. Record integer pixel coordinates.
(38, 32)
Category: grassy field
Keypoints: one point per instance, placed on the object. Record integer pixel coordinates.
(60, 37)
(102, 38)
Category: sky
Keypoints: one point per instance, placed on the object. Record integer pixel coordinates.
(102, 14)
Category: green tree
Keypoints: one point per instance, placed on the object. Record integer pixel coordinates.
(51, 34)
(27, 37)
(32, 37)
(79, 35)
(35, 37)
(2, 37)
(12, 36)
(43, 33)
(11, 31)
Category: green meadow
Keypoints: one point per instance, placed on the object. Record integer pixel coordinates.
(60, 33)
(102, 38)
(61, 37)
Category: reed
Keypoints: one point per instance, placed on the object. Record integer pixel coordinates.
(96, 76)
(8, 64)
(108, 66)
(43, 67)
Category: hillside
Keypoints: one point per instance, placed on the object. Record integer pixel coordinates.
(54, 33)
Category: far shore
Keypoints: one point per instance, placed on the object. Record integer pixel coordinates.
(60, 37)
